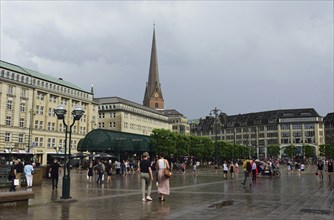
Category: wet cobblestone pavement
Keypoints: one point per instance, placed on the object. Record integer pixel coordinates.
(204, 196)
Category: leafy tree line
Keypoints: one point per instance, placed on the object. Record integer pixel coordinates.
(203, 148)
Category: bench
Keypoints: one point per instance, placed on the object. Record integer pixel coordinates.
(16, 198)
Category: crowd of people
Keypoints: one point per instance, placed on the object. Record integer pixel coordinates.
(152, 170)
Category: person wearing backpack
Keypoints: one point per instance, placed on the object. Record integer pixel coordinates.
(247, 165)
(100, 171)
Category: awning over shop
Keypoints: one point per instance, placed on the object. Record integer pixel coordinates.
(101, 140)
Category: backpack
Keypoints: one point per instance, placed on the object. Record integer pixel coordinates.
(248, 166)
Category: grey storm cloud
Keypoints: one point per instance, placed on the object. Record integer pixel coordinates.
(241, 56)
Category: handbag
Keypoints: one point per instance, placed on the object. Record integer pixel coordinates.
(167, 172)
(16, 182)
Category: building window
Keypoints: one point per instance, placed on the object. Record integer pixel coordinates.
(36, 124)
(308, 126)
(63, 101)
(156, 105)
(21, 123)
(8, 120)
(10, 90)
(285, 127)
(24, 93)
(297, 127)
(41, 125)
(272, 128)
(7, 137)
(49, 126)
(40, 96)
(53, 98)
(21, 138)
(9, 104)
(22, 107)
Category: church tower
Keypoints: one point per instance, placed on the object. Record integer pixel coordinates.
(153, 94)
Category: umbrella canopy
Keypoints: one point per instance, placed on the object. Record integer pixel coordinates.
(80, 155)
(104, 155)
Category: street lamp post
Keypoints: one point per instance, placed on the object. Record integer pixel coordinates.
(60, 111)
(216, 122)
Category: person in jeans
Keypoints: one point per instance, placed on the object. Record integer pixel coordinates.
(247, 170)
(146, 177)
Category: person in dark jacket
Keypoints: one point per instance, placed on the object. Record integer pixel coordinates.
(54, 173)
(12, 175)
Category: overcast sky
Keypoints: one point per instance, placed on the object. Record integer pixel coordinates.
(239, 56)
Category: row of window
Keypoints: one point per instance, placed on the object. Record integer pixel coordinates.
(8, 137)
(38, 82)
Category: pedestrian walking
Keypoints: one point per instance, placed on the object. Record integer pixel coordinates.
(54, 173)
(247, 170)
(12, 175)
(225, 170)
(330, 169)
(28, 172)
(163, 181)
(99, 168)
(108, 171)
(236, 167)
(146, 176)
(90, 171)
(232, 170)
(302, 168)
(118, 167)
(320, 169)
(19, 171)
(254, 167)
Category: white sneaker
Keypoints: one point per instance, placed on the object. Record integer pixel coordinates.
(143, 199)
(149, 198)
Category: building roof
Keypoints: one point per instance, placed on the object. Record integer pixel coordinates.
(115, 99)
(38, 75)
(107, 140)
(171, 112)
(258, 118)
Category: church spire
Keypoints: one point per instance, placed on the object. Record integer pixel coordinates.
(153, 94)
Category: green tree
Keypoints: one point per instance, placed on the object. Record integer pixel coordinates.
(290, 151)
(163, 141)
(208, 150)
(182, 146)
(308, 151)
(326, 151)
(273, 151)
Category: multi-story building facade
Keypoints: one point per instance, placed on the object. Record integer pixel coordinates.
(329, 128)
(259, 130)
(27, 119)
(178, 120)
(123, 115)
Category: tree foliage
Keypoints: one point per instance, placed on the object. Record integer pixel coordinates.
(326, 151)
(291, 151)
(273, 151)
(308, 151)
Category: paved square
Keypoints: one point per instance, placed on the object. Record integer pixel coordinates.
(204, 196)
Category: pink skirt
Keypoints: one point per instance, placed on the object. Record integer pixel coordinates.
(163, 183)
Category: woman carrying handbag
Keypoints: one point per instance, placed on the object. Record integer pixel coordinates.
(163, 181)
